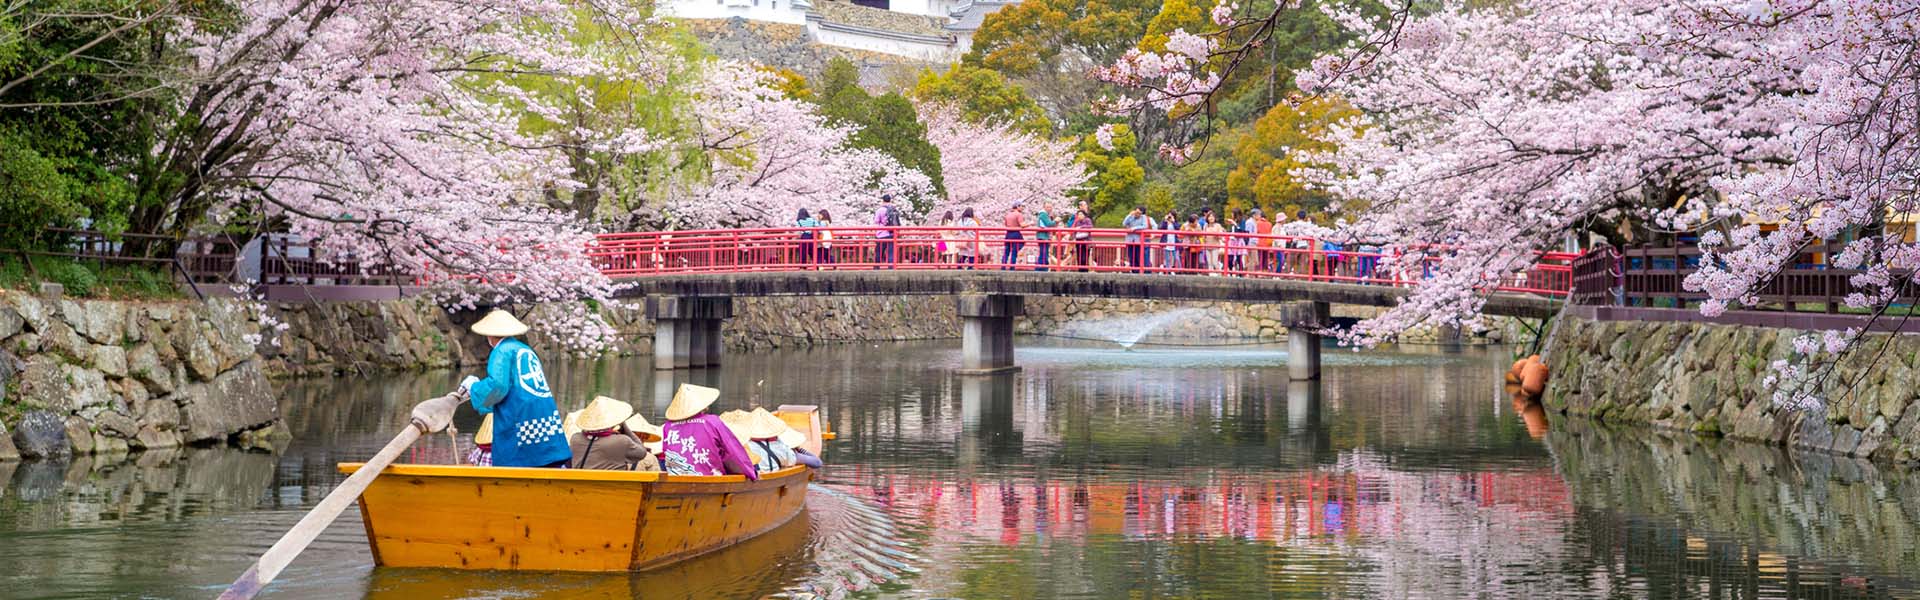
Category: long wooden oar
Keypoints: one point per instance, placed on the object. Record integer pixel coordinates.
(430, 416)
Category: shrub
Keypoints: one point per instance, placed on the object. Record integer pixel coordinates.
(77, 278)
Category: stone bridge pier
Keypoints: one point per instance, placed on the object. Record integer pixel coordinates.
(686, 332)
(986, 332)
(1304, 321)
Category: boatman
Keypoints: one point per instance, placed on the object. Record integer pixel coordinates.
(526, 422)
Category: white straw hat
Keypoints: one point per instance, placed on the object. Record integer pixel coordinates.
(499, 323)
(571, 424)
(689, 400)
(604, 413)
(648, 432)
(484, 435)
(793, 438)
(740, 422)
(768, 425)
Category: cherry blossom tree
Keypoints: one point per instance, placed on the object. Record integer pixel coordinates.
(989, 166)
(1489, 133)
(389, 133)
(771, 155)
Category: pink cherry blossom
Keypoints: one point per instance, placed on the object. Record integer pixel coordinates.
(989, 166)
(772, 155)
(388, 134)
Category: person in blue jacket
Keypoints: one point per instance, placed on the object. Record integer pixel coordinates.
(526, 423)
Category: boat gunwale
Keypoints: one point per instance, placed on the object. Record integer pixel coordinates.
(547, 474)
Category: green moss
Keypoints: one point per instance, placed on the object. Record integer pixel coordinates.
(1709, 426)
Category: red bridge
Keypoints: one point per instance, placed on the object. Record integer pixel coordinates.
(690, 277)
(1306, 259)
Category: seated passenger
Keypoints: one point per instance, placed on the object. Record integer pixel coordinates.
(482, 454)
(649, 436)
(794, 439)
(766, 434)
(697, 443)
(741, 422)
(602, 442)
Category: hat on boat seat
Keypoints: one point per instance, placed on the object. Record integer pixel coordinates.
(499, 323)
(603, 413)
(484, 435)
(648, 432)
(690, 400)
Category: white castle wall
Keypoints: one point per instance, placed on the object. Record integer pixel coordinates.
(774, 11)
(926, 48)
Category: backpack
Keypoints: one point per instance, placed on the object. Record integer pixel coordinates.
(892, 218)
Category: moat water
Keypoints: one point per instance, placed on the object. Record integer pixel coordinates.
(1095, 472)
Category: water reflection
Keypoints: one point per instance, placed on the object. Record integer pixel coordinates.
(1093, 473)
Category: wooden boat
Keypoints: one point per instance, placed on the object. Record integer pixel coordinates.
(753, 568)
(507, 518)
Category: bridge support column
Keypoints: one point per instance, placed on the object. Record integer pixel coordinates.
(686, 331)
(1304, 321)
(986, 327)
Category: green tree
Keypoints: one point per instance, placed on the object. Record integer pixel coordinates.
(983, 96)
(840, 75)
(1047, 45)
(887, 123)
(78, 108)
(614, 184)
(1117, 176)
(1266, 158)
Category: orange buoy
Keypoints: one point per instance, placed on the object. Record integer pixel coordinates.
(1533, 377)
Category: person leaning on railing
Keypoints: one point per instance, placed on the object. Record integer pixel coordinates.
(887, 217)
(1136, 223)
(1083, 239)
(1043, 237)
(1170, 253)
(807, 224)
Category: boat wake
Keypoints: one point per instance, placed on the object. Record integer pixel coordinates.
(857, 547)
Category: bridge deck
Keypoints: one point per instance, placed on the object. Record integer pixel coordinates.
(1029, 283)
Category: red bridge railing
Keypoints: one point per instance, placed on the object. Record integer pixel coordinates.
(1076, 250)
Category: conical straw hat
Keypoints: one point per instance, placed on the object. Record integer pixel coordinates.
(793, 438)
(739, 421)
(484, 435)
(648, 431)
(604, 413)
(766, 425)
(571, 424)
(499, 323)
(689, 400)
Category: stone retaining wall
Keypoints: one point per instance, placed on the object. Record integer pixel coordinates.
(100, 376)
(1711, 380)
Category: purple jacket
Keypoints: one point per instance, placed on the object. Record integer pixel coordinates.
(703, 445)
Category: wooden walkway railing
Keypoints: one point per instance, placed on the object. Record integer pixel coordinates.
(1654, 276)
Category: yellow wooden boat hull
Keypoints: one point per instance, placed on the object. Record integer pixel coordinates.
(505, 518)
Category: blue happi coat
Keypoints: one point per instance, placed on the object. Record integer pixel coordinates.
(526, 422)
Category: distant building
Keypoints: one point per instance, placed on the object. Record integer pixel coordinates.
(930, 30)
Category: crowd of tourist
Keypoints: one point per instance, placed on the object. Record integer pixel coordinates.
(1043, 237)
(523, 426)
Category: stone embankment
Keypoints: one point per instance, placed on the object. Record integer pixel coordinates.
(103, 377)
(1713, 380)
